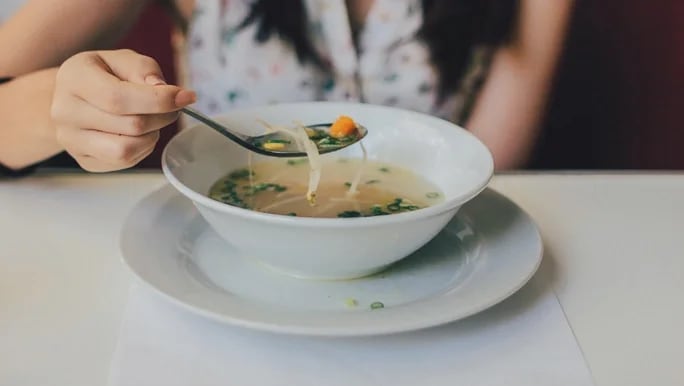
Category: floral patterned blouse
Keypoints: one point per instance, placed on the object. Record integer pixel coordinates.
(229, 69)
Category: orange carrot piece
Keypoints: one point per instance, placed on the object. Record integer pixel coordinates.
(343, 127)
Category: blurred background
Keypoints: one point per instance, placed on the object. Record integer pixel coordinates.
(618, 101)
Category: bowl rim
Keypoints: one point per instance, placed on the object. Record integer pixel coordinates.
(423, 213)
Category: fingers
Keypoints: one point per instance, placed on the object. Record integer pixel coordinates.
(98, 151)
(108, 107)
(83, 115)
(115, 82)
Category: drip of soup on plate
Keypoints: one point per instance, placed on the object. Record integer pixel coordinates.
(347, 188)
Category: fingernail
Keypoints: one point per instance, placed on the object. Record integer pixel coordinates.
(185, 97)
(154, 80)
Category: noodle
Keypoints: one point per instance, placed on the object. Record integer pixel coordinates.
(251, 176)
(353, 188)
(301, 136)
(315, 164)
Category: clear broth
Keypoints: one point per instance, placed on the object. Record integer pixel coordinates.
(280, 187)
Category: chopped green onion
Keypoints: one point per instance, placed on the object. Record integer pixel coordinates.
(432, 195)
(376, 210)
(376, 305)
(275, 140)
(293, 162)
(349, 213)
(328, 141)
(240, 174)
(393, 207)
(264, 186)
(317, 134)
(384, 169)
(405, 205)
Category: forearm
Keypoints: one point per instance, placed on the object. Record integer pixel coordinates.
(44, 33)
(509, 110)
(27, 134)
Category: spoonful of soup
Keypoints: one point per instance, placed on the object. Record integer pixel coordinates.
(327, 137)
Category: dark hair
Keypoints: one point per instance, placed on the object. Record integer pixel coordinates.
(451, 28)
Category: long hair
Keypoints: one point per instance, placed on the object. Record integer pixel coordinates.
(451, 28)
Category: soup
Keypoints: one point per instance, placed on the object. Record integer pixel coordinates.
(280, 187)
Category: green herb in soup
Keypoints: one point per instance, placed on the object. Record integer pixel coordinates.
(297, 161)
(280, 187)
(240, 174)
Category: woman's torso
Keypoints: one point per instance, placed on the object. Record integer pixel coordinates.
(391, 66)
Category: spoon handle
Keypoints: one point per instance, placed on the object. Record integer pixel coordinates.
(214, 125)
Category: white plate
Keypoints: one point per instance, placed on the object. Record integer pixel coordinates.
(486, 253)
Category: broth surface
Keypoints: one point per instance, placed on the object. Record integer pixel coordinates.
(280, 187)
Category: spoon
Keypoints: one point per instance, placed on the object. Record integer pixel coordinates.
(281, 144)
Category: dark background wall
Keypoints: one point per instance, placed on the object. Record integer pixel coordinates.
(619, 101)
(619, 98)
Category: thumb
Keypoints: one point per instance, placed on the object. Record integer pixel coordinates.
(134, 67)
(114, 81)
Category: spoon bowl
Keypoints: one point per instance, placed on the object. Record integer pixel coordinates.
(281, 144)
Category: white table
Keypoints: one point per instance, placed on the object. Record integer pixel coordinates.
(614, 242)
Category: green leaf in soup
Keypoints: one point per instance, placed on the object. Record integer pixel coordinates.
(316, 134)
(264, 186)
(394, 206)
(240, 174)
(328, 141)
(376, 210)
(275, 140)
(407, 205)
(349, 213)
(299, 161)
(401, 205)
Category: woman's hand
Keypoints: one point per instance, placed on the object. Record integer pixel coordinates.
(108, 107)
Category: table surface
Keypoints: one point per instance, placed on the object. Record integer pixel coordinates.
(613, 250)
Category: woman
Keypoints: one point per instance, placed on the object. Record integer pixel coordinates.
(485, 64)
